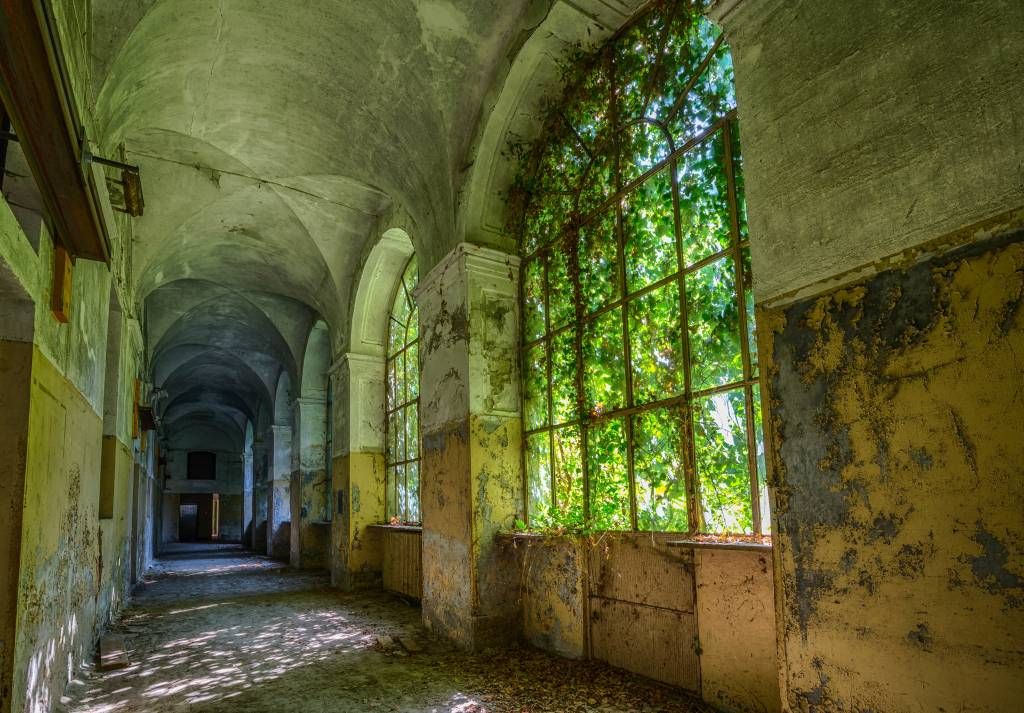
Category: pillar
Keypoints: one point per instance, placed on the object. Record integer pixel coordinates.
(310, 529)
(278, 499)
(358, 471)
(471, 432)
(261, 478)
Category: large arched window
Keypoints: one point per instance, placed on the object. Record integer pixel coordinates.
(641, 401)
(402, 457)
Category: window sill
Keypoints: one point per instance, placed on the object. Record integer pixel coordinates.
(399, 528)
(721, 545)
(662, 538)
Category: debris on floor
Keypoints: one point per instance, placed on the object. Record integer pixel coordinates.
(231, 631)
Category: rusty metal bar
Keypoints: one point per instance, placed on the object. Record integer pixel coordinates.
(741, 302)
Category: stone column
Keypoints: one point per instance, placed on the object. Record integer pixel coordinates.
(471, 430)
(260, 487)
(310, 530)
(358, 471)
(248, 522)
(278, 500)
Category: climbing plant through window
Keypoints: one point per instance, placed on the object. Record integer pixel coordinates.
(641, 400)
(402, 458)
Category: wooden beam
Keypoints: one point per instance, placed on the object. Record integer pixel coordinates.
(37, 102)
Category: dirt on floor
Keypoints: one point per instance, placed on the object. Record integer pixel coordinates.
(214, 628)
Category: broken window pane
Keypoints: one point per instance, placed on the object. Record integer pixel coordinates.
(658, 469)
(714, 326)
(604, 376)
(649, 232)
(656, 350)
(608, 474)
(723, 472)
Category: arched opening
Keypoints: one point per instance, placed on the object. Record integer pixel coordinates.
(278, 494)
(310, 487)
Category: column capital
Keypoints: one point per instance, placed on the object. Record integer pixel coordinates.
(476, 260)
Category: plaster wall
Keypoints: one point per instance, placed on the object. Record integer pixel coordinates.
(701, 619)
(60, 548)
(309, 488)
(897, 411)
(358, 473)
(871, 127)
(470, 429)
(16, 378)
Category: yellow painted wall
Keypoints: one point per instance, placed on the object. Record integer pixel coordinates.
(357, 558)
(60, 546)
(897, 408)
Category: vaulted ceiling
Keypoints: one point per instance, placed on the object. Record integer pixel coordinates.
(272, 137)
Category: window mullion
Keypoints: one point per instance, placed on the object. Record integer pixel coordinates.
(734, 227)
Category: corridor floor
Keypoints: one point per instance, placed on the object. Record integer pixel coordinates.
(214, 628)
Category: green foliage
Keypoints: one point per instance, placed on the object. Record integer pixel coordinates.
(664, 83)
(720, 438)
(713, 319)
(607, 456)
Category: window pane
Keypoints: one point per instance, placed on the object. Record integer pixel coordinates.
(748, 299)
(712, 95)
(599, 182)
(545, 218)
(563, 377)
(658, 469)
(656, 350)
(391, 505)
(714, 325)
(412, 328)
(762, 468)
(412, 479)
(723, 475)
(412, 372)
(648, 229)
(533, 300)
(569, 476)
(401, 388)
(599, 262)
(636, 57)
(393, 426)
(538, 478)
(690, 39)
(644, 146)
(403, 495)
(609, 477)
(561, 297)
(392, 384)
(704, 200)
(412, 432)
(604, 376)
(399, 421)
(587, 108)
(535, 380)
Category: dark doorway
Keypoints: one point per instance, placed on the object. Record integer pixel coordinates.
(195, 518)
(202, 465)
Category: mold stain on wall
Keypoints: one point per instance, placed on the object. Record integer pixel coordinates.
(897, 408)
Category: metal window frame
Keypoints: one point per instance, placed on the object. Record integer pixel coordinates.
(393, 409)
(567, 239)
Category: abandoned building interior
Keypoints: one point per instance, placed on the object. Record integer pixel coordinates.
(519, 355)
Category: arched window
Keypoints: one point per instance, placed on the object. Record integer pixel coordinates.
(641, 402)
(402, 457)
